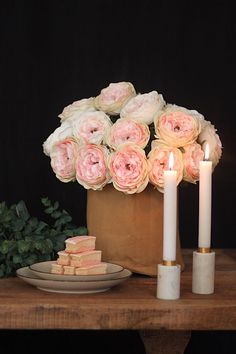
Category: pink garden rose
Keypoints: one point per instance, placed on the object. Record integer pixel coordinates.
(91, 166)
(143, 108)
(73, 110)
(178, 126)
(114, 97)
(96, 149)
(63, 157)
(158, 161)
(61, 133)
(209, 135)
(128, 168)
(90, 127)
(127, 130)
(192, 156)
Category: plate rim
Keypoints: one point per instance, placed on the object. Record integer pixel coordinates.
(73, 292)
(87, 275)
(69, 281)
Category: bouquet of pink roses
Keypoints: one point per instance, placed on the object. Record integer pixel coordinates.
(125, 138)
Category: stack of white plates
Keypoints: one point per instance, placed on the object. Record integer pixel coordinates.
(39, 275)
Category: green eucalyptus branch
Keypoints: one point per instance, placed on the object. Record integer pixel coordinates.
(25, 240)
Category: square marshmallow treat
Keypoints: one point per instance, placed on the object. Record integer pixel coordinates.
(80, 244)
(86, 258)
(56, 268)
(69, 270)
(63, 258)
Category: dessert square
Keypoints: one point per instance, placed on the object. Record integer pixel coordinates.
(56, 268)
(80, 244)
(69, 270)
(86, 258)
(63, 258)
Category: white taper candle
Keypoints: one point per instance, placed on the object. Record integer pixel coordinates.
(205, 187)
(170, 212)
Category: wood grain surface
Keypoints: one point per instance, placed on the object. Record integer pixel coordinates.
(130, 305)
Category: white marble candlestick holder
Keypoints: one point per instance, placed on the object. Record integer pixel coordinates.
(203, 275)
(168, 281)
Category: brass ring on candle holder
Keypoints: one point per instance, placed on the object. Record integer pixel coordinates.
(204, 249)
(169, 263)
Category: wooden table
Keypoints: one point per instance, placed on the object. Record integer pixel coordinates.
(131, 305)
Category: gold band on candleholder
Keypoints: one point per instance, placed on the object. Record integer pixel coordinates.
(169, 263)
(204, 249)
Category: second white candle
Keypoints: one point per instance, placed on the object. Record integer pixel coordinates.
(205, 185)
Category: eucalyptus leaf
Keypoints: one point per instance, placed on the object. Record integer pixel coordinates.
(45, 201)
(25, 240)
(22, 211)
(17, 259)
(23, 246)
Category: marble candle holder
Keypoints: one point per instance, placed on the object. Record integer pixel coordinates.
(203, 275)
(168, 281)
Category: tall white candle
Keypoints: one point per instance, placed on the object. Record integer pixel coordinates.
(205, 179)
(170, 212)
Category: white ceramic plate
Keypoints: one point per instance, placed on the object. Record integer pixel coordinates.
(43, 270)
(71, 287)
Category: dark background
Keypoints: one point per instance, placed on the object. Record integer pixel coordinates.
(56, 52)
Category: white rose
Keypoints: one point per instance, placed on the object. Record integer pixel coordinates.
(59, 134)
(74, 110)
(209, 135)
(143, 107)
(63, 156)
(91, 127)
(114, 97)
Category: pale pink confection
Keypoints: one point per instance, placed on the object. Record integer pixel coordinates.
(69, 270)
(100, 268)
(80, 244)
(56, 268)
(86, 258)
(63, 258)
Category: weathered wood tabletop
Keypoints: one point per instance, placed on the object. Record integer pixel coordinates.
(130, 305)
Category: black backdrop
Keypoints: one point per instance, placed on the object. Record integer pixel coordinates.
(56, 52)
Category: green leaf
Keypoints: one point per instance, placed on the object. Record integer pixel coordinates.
(17, 259)
(47, 246)
(56, 205)
(22, 211)
(56, 214)
(18, 225)
(4, 247)
(28, 229)
(49, 210)
(81, 230)
(45, 201)
(12, 246)
(38, 245)
(41, 226)
(25, 239)
(32, 258)
(23, 246)
(33, 222)
(2, 205)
